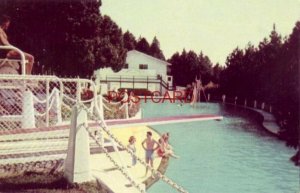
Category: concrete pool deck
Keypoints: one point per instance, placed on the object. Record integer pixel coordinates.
(105, 171)
(269, 121)
(102, 169)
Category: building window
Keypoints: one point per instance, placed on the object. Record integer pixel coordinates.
(169, 78)
(126, 66)
(143, 66)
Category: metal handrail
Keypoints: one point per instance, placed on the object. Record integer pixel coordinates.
(23, 61)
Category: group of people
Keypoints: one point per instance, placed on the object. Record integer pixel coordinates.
(12, 54)
(152, 148)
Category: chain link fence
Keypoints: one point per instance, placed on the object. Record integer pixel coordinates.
(35, 113)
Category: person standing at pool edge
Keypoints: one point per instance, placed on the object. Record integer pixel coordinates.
(132, 148)
(4, 24)
(149, 148)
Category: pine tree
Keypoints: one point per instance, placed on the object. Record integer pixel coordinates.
(129, 41)
(143, 46)
(155, 50)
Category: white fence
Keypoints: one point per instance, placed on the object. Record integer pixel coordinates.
(38, 101)
(35, 115)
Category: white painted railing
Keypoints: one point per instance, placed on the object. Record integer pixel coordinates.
(22, 57)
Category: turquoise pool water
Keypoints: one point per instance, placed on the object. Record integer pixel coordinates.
(234, 155)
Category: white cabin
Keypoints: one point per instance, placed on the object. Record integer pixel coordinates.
(140, 71)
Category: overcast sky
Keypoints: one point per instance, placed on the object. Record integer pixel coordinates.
(214, 26)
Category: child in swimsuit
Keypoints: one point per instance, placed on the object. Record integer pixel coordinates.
(131, 147)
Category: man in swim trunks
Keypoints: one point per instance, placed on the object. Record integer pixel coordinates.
(149, 148)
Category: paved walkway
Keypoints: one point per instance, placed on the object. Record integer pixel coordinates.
(269, 122)
(104, 170)
(52, 145)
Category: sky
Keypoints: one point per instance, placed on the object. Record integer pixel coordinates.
(215, 27)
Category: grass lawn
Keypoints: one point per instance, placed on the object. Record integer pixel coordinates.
(47, 183)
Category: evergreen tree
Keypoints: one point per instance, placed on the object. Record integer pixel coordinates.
(109, 49)
(269, 73)
(129, 41)
(155, 50)
(67, 38)
(143, 46)
(188, 65)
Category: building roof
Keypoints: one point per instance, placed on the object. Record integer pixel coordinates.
(148, 56)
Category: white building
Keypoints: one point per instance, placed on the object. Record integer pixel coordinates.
(141, 71)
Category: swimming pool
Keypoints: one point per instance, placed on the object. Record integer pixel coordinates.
(234, 155)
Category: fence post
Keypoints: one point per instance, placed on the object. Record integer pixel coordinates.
(160, 86)
(208, 97)
(147, 82)
(235, 99)
(100, 110)
(57, 105)
(126, 111)
(270, 109)
(263, 106)
(223, 98)
(78, 91)
(28, 118)
(133, 82)
(245, 103)
(47, 102)
(77, 165)
(255, 104)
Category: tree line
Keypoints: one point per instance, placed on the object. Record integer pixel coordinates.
(186, 66)
(268, 73)
(71, 38)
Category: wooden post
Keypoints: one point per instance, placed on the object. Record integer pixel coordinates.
(245, 103)
(147, 82)
(47, 102)
(263, 106)
(223, 98)
(255, 104)
(208, 97)
(235, 99)
(160, 87)
(133, 82)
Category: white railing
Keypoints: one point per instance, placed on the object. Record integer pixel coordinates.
(22, 57)
(45, 101)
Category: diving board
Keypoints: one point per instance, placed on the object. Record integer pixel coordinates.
(162, 120)
(123, 123)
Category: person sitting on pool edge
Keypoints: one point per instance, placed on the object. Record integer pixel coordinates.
(165, 149)
(150, 149)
